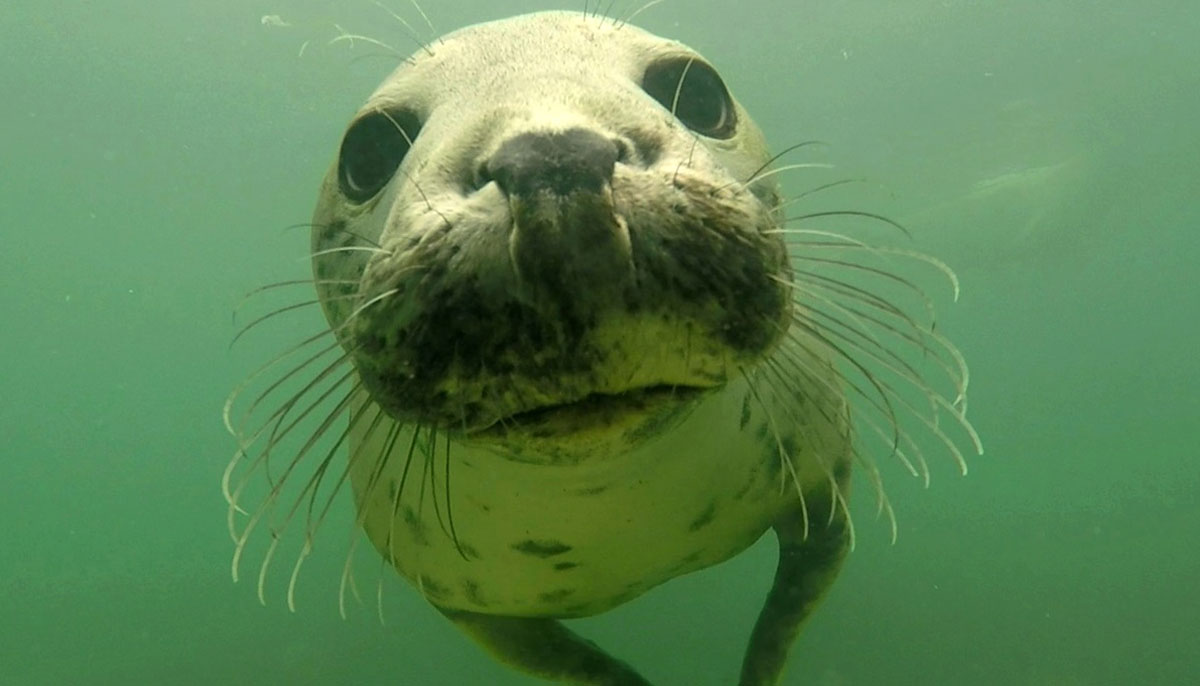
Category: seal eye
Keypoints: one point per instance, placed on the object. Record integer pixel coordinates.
(694, 93)
(372, 151)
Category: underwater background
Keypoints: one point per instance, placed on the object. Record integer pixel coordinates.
(152, 154)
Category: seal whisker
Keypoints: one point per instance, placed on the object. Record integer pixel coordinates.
(641, 9)
(283, 310)
(310, 491)
(278, 431)
(449, 506)
(389, 541)
(336, 229)
(344, 35)
(355, 454)
(775, 158)
(267, 504)
(407, 174)
(313, 485)
(955, 369)
(607, 13)
(837, 500)
(350, 318)
(262, 458)
(431, 472)
(686, 161)
(905, 372)
(679, 86)
(271, 388)
(785, 459)
(828, 345)
(861, 331)
(783, 204)
(779, 170)
(227, 409)
(882, 503)
(281, 412)
(381, 461)
(245, 442)
(407, 27)
(812, 280)
(851, 213)
(936, 399)
(347, 578)
(275, 421)
(424, 17)
(348, 248)
(872, 271)
(881, 402)
(291, 282)
(880, 251)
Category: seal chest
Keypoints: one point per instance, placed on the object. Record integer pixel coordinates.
(575, 357)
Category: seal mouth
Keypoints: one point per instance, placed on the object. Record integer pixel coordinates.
(625, 410)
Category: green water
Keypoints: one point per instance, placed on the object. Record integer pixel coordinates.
(151, 154)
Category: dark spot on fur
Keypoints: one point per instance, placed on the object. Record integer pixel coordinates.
(471, 591)
(594, 490)
(564, 566)
(841, 472)
(434, 590)
(330, 231)
(556, 596)
(751, 481)
(541, 548)
(762, 432)
(687, 563)
(704, 518)
(416, 527)
(775, 451)
(630, 592)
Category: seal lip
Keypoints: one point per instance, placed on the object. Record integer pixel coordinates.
(594, 412)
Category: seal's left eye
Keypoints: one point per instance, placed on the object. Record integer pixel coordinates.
(694, 93)
(372, 151)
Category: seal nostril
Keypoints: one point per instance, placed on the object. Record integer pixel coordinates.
(624, 151)
(559, 162)
(481, 177)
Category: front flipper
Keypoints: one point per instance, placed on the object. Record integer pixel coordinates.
(808, 564)
(545, 648)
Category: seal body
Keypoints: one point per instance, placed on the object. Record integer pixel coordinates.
(575, 358)
(567, 312)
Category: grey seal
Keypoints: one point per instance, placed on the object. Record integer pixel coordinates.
(571, 354)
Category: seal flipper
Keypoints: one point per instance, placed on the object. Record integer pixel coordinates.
(808, 564)
(545, 648)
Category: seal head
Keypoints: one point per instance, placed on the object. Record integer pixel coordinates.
(558, 221)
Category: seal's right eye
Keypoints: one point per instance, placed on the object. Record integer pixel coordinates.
(372, 151)
(694, 93)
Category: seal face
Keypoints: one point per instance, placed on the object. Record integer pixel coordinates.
(538, 226)
(558, 275)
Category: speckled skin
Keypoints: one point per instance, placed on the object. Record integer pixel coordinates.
(682, 290)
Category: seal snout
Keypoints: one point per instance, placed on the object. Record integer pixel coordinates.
(560, 163)
(566, 241)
